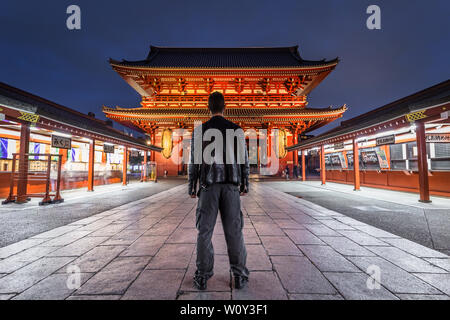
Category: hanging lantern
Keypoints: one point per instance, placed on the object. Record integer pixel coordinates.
(282, 142)
(167, 143)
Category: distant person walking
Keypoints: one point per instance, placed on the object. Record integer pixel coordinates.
(286, 171)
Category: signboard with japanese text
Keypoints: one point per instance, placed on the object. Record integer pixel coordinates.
(369, 158)
(134, 153)
(438, 137)
(386, 140)
(61, 142)
(108, 148)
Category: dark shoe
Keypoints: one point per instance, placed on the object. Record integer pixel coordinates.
(240, 282)
(200, 282)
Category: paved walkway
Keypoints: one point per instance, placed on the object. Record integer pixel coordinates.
(397, 212)
(20, 221)
(146, 250)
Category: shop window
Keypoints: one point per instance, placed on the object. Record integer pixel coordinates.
(328, 164)
(411, 150)
(396, 151)
(411, 155)
(440, 164)
(398, 162)
(441, 159)
(337, 161)
(442, 150)
(350, 159)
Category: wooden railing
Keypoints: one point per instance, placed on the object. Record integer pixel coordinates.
(23, 176)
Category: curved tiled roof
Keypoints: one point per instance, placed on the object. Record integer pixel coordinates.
(439, 93)
(231, 112)
(11, 96)
(252, 57)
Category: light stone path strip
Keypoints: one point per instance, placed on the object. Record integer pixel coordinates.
(146, 250)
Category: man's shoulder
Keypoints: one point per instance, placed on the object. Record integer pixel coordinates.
(220, 123)
(231, 125)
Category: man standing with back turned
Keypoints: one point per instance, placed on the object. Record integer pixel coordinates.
(221, 180)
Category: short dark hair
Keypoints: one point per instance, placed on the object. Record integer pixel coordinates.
(216, 102)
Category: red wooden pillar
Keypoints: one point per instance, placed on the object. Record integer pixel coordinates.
(295, 152)
(63, 153)
(125, 166)
(295, 156)
(24, 149)
(303, 166)
(153, 153)
(180, 154)
(91, 165)
(153, 141)
(145, 165)
(422, 162)
(356, 173)
(322, 164)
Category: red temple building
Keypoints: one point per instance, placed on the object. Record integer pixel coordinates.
(264, 88)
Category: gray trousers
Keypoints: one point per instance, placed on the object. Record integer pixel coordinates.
(224, 198)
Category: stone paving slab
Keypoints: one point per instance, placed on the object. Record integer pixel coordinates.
(423, 297)
(23, 258)
(406, 260)
(211, 295)
(144, 246)
(296, 250)
(303, 237)
(346, 246)
(443, 263)
(280, 246)
(53, 287)
(354, 286)
(115, 278)
(394, 278)
(305, 296)
(264, 285)
(96, 259)
(23, 278)
(326, 258)
(17, 247)
(164, 285)
(78, 247)
(299, 275)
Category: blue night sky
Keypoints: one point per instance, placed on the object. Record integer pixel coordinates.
(40, 55)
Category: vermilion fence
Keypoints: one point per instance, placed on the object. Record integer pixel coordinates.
(21, 174)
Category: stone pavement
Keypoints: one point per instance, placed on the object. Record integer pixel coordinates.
(397, 212)
(146, 250)
(21, 221)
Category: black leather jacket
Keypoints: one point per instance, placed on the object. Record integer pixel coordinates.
(205, 174)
